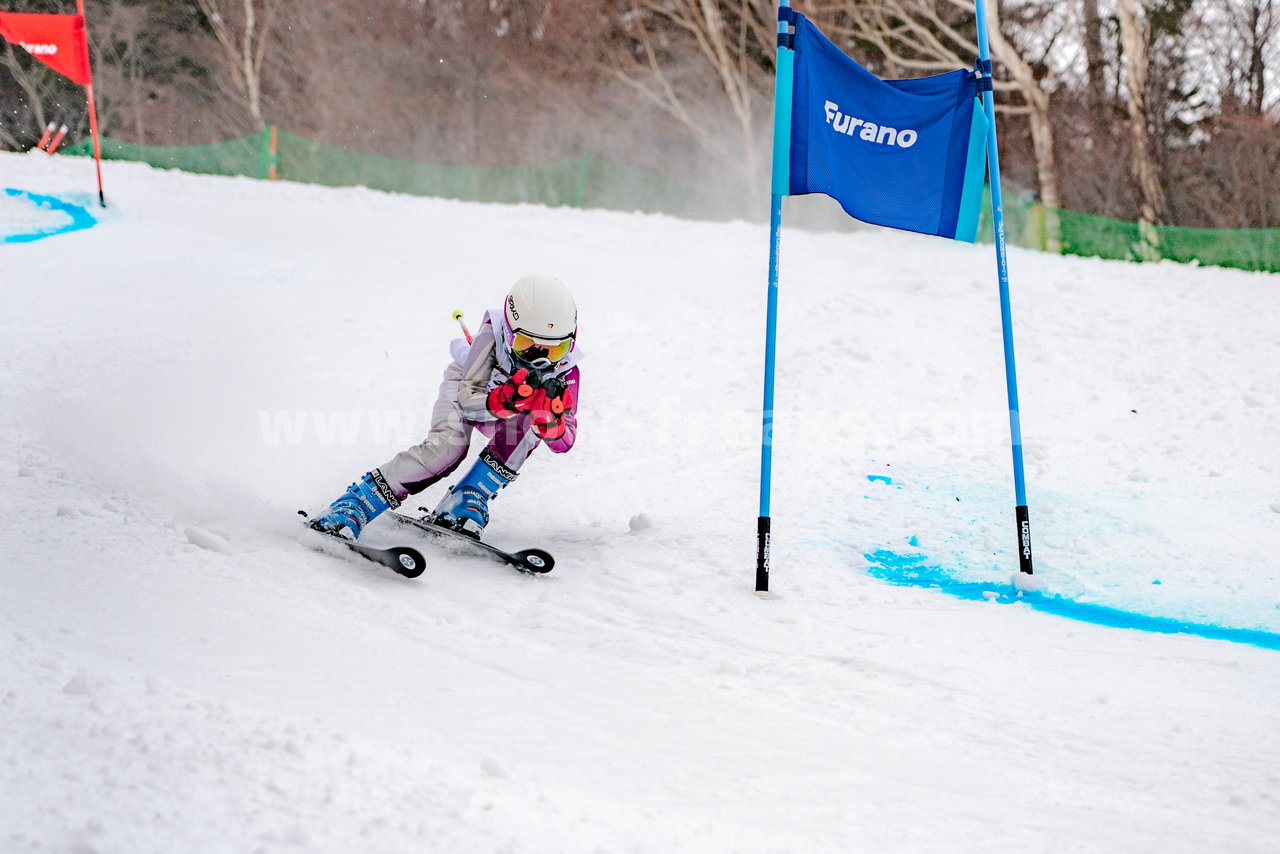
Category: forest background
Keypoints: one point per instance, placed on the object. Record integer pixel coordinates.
(1157, 111)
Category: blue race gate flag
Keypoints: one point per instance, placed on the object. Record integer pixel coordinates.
(907, 154)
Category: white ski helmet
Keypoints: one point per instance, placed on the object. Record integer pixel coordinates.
(541, 319)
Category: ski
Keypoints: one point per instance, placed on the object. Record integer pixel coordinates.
(403, 560)
(534, 561)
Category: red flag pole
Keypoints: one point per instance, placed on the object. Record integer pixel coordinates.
(93, 132)
(93, 110)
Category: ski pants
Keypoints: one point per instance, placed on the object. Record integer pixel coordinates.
(447, 442)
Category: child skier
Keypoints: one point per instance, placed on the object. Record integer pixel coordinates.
(517, 383)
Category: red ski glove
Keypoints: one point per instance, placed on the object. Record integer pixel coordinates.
(548, 413)
(512, 397)
(548, 426)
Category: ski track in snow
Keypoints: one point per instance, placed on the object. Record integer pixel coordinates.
(179, 673)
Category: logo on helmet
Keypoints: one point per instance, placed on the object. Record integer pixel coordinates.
(511, 307)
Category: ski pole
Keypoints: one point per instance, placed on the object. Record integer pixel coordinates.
(457, 315)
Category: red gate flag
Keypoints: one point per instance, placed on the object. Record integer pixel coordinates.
(56, 40)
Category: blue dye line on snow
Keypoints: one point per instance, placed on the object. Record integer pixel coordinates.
(911, 570)
(80, 218)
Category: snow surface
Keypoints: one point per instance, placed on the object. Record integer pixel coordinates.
(178, 674)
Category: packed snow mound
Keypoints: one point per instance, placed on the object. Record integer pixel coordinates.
(180, 673)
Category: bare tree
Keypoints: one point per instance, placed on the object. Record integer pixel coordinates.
(937, 36)
(1254, 28)
(734, 40)
(244, 37)
(33, 80)
(1094, 55)
(119, 38)
(116, 41)
(1135, 38)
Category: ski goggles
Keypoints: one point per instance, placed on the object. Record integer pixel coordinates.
(532, 349)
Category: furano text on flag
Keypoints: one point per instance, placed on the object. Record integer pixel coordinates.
(906, 154)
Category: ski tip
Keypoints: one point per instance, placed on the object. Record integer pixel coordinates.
(411, 562)
(534, 561)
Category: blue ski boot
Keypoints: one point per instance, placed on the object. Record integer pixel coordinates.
(363, 501)
(466, 507)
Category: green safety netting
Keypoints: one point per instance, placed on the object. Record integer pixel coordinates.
(314, 162)
(595, 183)
(1248, 249)
(1035, 226)
(245, 156)
(584, 181)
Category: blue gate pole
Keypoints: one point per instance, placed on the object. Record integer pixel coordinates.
(1021, 515)
(779, 187)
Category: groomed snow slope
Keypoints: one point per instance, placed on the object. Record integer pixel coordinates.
(177, 673)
